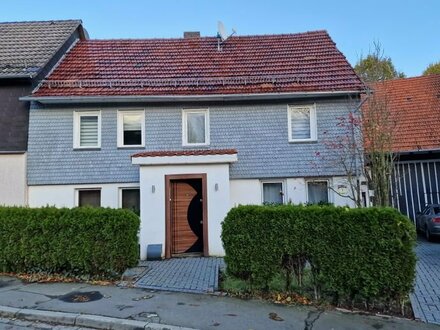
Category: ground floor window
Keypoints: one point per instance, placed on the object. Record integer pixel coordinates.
(273, 192)
(89, 197)
(317, 192)
(130, 199)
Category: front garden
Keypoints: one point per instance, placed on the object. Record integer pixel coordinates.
(321, 255)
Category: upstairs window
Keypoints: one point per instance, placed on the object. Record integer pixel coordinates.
(195, 127)
(302, 123)
(317, 192)
(131, 128)
(87, 129)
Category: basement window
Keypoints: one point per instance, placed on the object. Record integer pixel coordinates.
(130, 199)
(317, 192)
(89, 197)
(273, 192)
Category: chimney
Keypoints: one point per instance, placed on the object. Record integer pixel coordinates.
(191, 34)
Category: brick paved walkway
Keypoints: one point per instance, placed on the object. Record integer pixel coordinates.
(197, 275)
(426, 297)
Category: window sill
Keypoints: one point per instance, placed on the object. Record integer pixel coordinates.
(87, 149)
(303, 141)
(195, 145)
(131, 147)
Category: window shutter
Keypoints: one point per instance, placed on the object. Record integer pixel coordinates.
(88, 131)
(300, 121)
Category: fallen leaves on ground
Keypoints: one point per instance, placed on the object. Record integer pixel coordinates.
(56, 278)
(148, 296)
(289, 298)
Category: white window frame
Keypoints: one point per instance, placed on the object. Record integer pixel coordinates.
(185, 113)
(283, 188)
(328, 181)
(313, 122)
(77, 190)
(120, 133)
(126, 188)
(76, 128)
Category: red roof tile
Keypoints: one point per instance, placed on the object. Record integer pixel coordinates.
(414, 105)
(204, 152)
(301, 62)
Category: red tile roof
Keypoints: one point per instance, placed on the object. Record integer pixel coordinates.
(303, 62)
(414, 105)
(204, 152)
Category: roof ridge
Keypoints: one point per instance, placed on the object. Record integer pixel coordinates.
(398, 80)
(272, 35)
(45, 21)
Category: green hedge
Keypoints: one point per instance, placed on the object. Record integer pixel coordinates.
(79, 241)
(352, 253)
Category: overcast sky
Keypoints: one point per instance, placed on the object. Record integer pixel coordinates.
(409, 31)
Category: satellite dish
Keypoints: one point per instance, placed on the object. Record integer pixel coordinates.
(221, 35)
(221, 31)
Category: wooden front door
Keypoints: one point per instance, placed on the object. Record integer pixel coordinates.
(186, 217)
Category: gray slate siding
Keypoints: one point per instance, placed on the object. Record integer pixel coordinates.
(258, 131)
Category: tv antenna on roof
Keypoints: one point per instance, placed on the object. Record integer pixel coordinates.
(221, 35)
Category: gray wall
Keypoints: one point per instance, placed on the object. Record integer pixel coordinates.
(258, 131)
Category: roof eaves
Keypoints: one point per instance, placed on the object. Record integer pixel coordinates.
(184, 98)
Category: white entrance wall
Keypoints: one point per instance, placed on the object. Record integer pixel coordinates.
(152, 182)
(13, 190)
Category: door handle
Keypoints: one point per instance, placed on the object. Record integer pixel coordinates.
(201, 222)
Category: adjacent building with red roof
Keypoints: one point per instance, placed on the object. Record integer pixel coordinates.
(414, 107)
(180, 130)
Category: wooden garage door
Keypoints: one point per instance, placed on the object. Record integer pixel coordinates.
(186, 217)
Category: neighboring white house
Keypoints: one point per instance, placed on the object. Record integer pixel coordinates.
(182, 131)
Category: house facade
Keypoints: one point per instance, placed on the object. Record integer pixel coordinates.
(414, 106)
(28, 51)
(181, 131)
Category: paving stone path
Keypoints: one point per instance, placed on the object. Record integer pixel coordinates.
(194, 275)
(426, 297)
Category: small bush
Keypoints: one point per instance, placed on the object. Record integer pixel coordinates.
(349, 253)
(81, 241)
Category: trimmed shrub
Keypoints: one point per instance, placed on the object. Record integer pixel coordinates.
(352, 253)
(81, 241)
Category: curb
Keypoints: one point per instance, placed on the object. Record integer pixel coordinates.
(82, 320)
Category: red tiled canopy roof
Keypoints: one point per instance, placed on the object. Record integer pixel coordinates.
(304, 62)
(202, 152)
(414, 104)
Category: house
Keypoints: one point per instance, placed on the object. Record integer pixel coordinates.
(28, 51)
(414, 105)
(183, 129)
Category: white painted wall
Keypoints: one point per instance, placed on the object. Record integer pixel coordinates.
(13, 189)
(245, 192)
(153, 203)
(66, 196)
(341, 185)
(250, 191)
